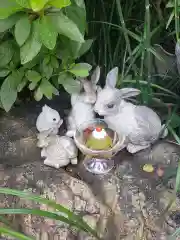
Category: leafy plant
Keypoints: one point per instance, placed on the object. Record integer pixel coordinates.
(40, 41)
(60, 213)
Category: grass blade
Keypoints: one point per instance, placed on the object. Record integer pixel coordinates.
(53, 204)
(15, 234)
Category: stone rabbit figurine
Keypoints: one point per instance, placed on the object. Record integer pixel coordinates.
(82, 104)
(48, 120)
(58, 151)
(141, 125)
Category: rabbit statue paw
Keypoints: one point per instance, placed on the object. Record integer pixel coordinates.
(58, 151)
(140, 124)
(48, 120)
(82, 104)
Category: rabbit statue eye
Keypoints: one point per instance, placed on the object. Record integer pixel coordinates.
(110, 105)
(54, 119)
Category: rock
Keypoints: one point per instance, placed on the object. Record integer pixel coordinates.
(127, 203)
(51, 184)
(119, 205)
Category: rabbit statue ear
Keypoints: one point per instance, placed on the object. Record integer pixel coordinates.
(45, 108)
(95, 76)
(112, 77)
(129, 92)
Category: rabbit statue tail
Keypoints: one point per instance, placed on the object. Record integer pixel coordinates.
(164, 131)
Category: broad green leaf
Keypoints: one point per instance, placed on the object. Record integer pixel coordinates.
(6, 53)
(8, 93)
(4, 72)
(32, 86)
(54, 62)
(15, 61)
(67, 48)
(37, 5)
(32, 46)
(33, 76)
(85, 47)
(46, 70)
(35, 61)
(22, 84)
(47, 32)
(67, 27)
(60, 3)
(81, 69)
(18, 76)
(69, 84)
(9, 22)
(22, 30)
(8, 7)
(38, 94)
(47, 88)
(63, 76)
(24, 3)
(78, 16)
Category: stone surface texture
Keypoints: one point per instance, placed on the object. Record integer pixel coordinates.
(125, 204)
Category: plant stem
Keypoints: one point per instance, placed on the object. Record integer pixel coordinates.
(121, 18)
(176, 19)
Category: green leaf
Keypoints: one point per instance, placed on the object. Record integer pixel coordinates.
(17, 75)
(22, 30)
(67, 48)
(35, 61)
(47, 88)
(178, 178)
(38, 94)
(32, 86)
(8, 7)
(22, 84)
(81, 69)
(24, 3)
(67, 27)
(8, 93)
(77, 220)
(46, 70)
(174, 121)
(60, 3)
(47, 32)
(37, 5)
(32, 46)
(78, 16)
(15, 61)
(85, 47)
(4, 72)
(9, 22)
(80, 3)
(69, 84)
(33, 76)
(63, 76)
(17, 235)
(54, 62)
(6, 53)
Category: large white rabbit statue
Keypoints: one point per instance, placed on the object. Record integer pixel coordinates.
(140, 124)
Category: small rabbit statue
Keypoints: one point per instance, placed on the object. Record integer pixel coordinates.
(140, 124)
(82, 104)
(58, 151)
(48, 120)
